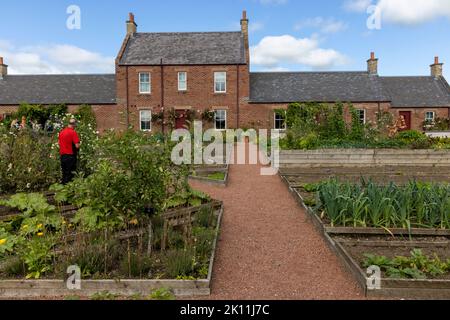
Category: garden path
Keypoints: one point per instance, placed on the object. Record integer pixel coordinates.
(267, 248)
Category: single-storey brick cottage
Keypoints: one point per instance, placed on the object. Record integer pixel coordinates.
(161, 78)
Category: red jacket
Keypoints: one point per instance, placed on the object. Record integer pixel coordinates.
(67, 140)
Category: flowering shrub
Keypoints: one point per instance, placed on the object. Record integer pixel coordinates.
(29, 157)
(315, 126)
(26, 161)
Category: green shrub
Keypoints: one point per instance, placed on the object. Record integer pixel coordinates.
(203, 241)
(179, 263)
(416, 266)
(13, 267)
(162, 294)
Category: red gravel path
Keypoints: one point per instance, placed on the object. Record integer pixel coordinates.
(267, 248)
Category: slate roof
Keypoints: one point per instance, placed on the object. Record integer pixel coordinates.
(189, 48)
(417, 91)
(58, 89)
(286, 87)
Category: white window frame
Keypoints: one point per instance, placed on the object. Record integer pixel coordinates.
(180, 82)
(434, 116)
(365, 115)
(216, 75)
(215, 119)
(275, 114)
(149, 83)
(141, 119)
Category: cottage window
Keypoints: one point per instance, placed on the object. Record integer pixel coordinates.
(220, 82)
(361, 115)
(182, 81)
(220, 119)
(145, 117)
(280, 120)
(430, 116)
(145, 83)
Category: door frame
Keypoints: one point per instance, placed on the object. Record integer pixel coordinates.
(408, 119)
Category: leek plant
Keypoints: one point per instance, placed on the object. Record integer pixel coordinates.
(425, 205)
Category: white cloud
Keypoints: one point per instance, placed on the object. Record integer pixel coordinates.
(357, 5)
(325, 25)
(406, 12)
(413, 11)
(54, 59)
(255, 26)
(274, 51)
(272, 2)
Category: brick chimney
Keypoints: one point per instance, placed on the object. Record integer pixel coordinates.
(372, 64)
(244, 30)
(131, 24)
(436, 68)
(3, 69)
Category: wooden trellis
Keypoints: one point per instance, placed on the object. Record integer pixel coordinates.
(182, 218)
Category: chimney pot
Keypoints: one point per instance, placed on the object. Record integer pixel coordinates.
(372, 64)
(437, 68)
(244, 30)
(131, 24)
(3, 69)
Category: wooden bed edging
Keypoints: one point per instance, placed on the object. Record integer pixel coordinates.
(395, 288)
(124, 287)
(380, 231)
(206, 180)
(360, 230)
(390, 288)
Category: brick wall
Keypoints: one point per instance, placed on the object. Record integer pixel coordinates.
(418, 115)
(199, 95)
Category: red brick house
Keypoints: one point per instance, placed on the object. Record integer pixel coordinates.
(162, 79)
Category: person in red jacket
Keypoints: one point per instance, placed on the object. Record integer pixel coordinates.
(69, 144)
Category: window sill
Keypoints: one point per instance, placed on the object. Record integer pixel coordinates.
(220, 93)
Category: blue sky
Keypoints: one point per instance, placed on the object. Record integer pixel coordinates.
(296, 35)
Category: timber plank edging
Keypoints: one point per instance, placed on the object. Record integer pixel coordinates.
(57, 287)
(390, 288)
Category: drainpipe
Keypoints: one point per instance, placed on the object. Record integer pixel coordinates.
(162, 96)
(128, 95)
(237, 100)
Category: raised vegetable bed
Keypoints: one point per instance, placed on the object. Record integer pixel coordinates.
(47, 287)
(214, 175)
(350, 243)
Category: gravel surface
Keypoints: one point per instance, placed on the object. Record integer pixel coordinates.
(267, 248)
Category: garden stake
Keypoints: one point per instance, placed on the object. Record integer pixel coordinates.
(150, 239)
(129, 259)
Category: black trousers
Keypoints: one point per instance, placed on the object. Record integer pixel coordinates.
(68, 167)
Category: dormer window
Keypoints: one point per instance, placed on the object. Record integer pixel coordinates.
(145, 86)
